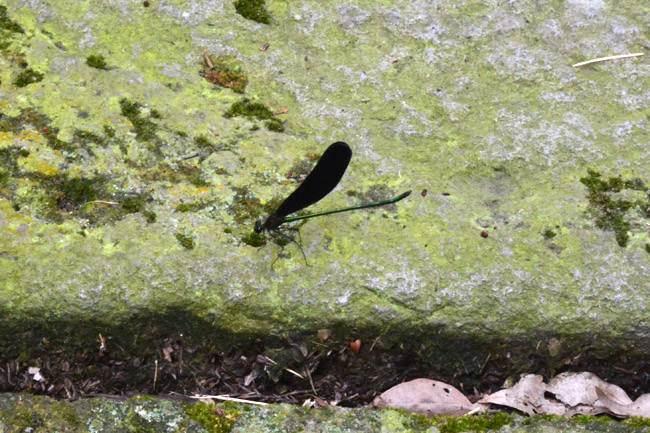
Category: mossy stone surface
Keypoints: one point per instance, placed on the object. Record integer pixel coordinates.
(475, 103)
(19, 413)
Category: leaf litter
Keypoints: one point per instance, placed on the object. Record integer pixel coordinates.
(567, 394)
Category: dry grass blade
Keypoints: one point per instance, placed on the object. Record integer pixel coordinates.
(604, 59)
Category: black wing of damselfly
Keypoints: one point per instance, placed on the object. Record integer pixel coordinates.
(321, 181)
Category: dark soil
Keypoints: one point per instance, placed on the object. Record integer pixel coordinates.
(282, 371)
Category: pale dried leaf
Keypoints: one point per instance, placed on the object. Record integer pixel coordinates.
(167, 351)
(527, 396)
(426, 396)
(250, 377)
(640, 407)
(576, 389)
(36, 374)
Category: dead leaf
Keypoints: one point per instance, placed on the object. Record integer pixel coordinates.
(36, 374)
(640, 407)
(426, 396)
(250, 378)
(578, 390)
(167, 352)
(323, 334)
(527, 396)
(569, 394)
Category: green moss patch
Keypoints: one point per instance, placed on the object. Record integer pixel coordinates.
(72, 193)
(245, 205)
(637, 421)
(275, 125)
(194, 206)
(549, 234)
(6, 24)
(254, 239)
(609, 206)
(30, 119)
(204, 144)
(253, 10)
(58, 196)
(176, 174)
(215, 419)
(144, 127)
(88, 137)
(97, 62)
(255, 110)
(249, 109)
(27, 77)
(186, 241)
(479, 423)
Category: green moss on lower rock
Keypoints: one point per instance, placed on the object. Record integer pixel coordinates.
(214, 418)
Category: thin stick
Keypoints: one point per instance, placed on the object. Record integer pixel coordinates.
(295, 373)
(226, 398)
(207, 59)
(473, 411)
(109, 203)
(285, 368)
(604, 59)
(311, 382)
(155, 375)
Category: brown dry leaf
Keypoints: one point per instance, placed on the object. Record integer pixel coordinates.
(640, 407)
(578, 390)
(527, 396)
(320, 402)
(426, 396)
(323, 334)
(167, 352)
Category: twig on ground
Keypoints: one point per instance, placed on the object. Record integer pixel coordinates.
(226, 398)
